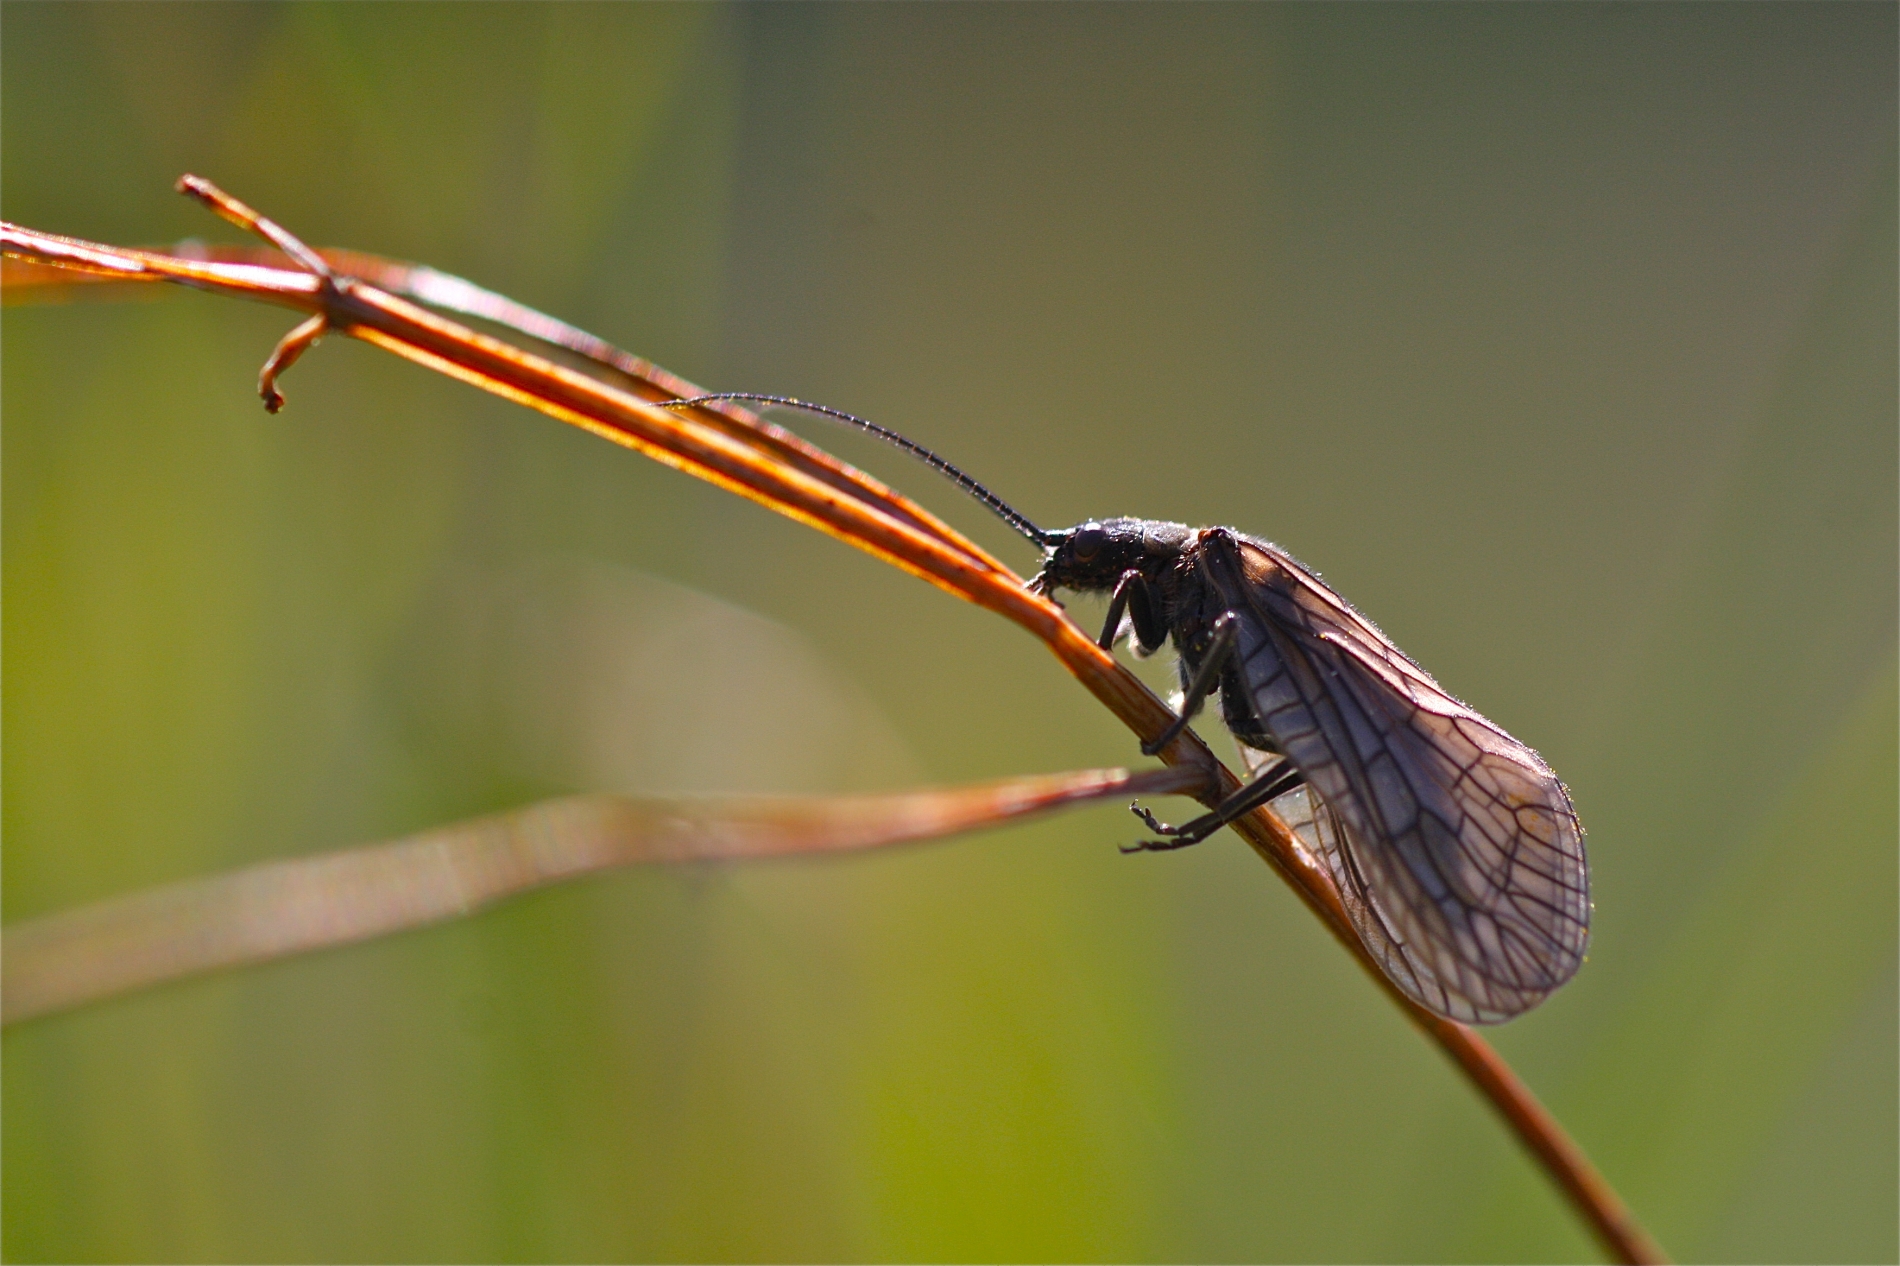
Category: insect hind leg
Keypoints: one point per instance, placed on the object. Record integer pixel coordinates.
(1276, 782)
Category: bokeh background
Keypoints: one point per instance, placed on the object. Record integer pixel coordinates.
(1560, 338)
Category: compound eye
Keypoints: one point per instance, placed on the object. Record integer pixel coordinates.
(1088, 543)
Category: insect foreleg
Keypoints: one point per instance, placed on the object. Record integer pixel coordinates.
(1132, 596)
(1276, 782)
(1117, 604)
(1220, 649)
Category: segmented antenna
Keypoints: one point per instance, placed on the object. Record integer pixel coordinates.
(997, 505)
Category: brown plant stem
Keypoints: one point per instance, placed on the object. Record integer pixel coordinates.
(275, 909)
(728, 448)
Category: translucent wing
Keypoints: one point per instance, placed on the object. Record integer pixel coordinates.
(1454, 846)
(1320, 834)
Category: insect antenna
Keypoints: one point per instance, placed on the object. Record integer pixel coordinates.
(996, 504)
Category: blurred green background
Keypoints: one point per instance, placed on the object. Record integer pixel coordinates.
(1560, 338)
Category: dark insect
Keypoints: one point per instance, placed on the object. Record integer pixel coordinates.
(1454, 847)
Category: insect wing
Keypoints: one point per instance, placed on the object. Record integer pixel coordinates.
(1321, 836)
(1455, 848)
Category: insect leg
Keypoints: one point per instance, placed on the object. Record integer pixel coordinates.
(1276, 782)
(1219, 650)
(1117, 603)
(1131, 595)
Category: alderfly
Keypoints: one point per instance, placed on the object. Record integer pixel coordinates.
(1454, 847)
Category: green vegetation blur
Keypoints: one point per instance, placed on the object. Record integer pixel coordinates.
(1561, 339)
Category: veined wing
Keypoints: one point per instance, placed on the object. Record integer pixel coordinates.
(1455, 847)
(1320, 835)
